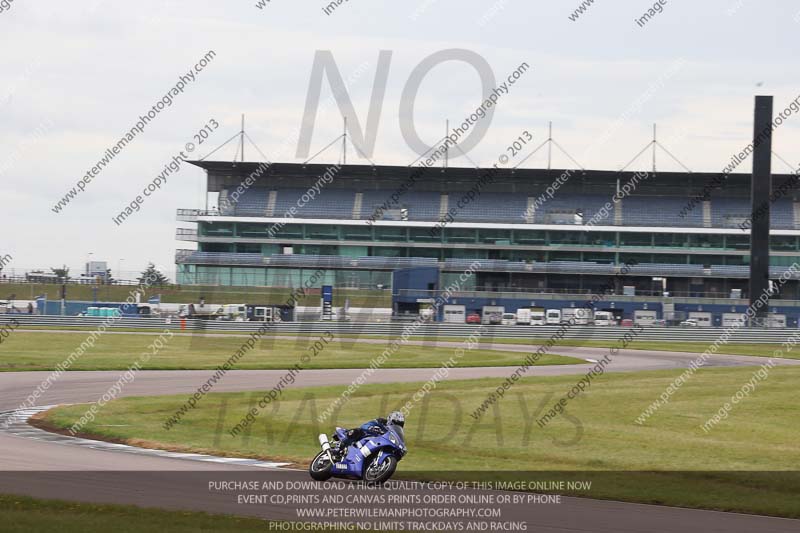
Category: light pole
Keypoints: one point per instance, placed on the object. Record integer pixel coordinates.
(119, 270)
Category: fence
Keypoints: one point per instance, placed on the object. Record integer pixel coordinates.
(443, 331)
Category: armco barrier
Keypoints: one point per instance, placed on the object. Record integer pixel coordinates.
(676, 334)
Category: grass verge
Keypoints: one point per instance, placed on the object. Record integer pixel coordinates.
(21, 514)
(44, 350)
(747, 463)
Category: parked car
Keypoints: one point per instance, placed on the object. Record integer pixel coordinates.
(626, 323)
(689, 323)
(473, 318)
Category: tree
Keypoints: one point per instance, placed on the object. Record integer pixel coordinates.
(153, 277)
(62, 273)
(108, 279)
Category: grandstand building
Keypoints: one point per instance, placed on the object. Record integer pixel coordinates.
(538, 235)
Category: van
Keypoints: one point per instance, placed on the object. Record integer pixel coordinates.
(553, 317)
(524, 317)
(538, 316)
(604, 318)
(509, 319)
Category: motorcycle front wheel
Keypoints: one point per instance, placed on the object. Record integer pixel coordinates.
(378, 473)
(321, 468)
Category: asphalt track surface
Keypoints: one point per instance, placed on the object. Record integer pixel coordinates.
(54, 468)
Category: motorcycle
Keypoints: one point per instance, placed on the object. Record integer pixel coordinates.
(372, 459)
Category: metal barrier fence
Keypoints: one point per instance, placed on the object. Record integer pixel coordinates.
(612, 333)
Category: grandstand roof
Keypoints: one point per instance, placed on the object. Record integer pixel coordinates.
(223, 173)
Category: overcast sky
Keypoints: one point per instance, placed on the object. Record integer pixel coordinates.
(75, 76)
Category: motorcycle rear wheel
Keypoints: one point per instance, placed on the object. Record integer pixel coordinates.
(321, 468)
(379, 473)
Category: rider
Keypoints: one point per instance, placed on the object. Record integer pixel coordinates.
(373, 427)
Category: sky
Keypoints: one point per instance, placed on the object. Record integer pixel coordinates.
(76, 76)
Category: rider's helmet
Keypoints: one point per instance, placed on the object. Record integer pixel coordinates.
(396, 418)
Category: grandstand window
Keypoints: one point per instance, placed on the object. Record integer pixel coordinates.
(645, 258)
(737, 242)
(424, 235)
(251, 230)
(710, 241)
(529, 237)
(316, 249)
(636, 239)
(269, 249)
(705, 260)
(528, 256)
(594, 257)
(783, 242)
(247, 277)
(322, 231)
(494, 236)
(216, 247)
(246, 248)
(213, 275)
(380, 251)
(671, 240)
(737, 260)
(289, 231)
(602, 239)
(567, 237)
(357, 233)
(565, 256)
(354, 251)
(383, 233)
(784, 261)
(460, 235)
(466, 253)
(435, 253)
(216, 230)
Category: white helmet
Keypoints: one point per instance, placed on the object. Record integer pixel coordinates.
(396, 418)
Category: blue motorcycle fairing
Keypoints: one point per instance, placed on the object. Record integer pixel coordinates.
(353, 464)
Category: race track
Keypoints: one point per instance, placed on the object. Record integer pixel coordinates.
(46, 465)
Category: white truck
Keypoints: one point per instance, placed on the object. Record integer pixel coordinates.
(644, 317)
(455, 314)
(604, 318)
(538, 316)
(702, 318)
(733, 320)
(553, 317)
(777, 321)
(523, 317)
(583, 316)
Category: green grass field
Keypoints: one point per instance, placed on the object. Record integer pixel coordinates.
(44, 350)
(754, 349)
(20, 514)
(723, 469)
